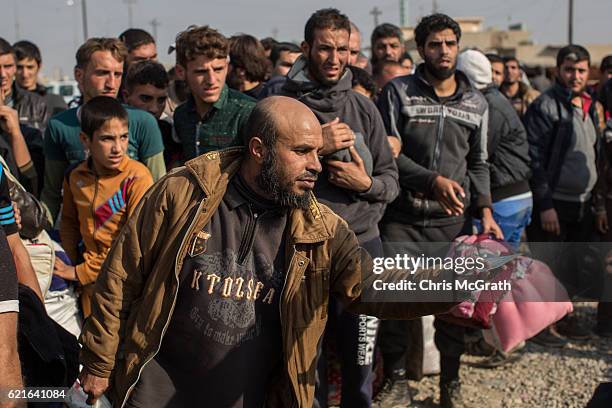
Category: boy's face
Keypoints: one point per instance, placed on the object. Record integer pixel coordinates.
(147, 97)
(108, 145)
(205, 77)
(27, 73)
(7, 72)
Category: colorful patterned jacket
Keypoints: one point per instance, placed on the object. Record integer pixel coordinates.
(95, 209)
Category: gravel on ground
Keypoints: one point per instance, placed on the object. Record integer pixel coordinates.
(543, 377)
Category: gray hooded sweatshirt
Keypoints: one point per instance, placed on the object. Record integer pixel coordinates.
(362, 211)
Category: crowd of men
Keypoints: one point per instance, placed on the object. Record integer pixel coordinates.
(215, 219)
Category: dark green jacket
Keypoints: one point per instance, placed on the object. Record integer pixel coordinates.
(221, 126)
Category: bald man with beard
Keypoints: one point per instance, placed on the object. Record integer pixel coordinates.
(232, 261)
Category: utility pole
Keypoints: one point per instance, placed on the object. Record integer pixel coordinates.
(154, 24)
(84, 16)
(75, 25)
(570, 23)
(130, 4)
(434, 7)
(402, 13)
(16, 18)
(375, 12)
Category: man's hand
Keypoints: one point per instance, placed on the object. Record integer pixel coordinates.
(445, 191)
(9, 121)
(64, 271)
(336, 136)
(489, 226)
(351, 176)
(92, 385)
(396, 146)
(17, 212)
(601, 222)
(550, 221)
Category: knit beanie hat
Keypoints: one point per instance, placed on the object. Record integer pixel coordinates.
(476, 66)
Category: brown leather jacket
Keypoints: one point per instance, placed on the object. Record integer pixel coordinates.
(136, 290)
(524, 97)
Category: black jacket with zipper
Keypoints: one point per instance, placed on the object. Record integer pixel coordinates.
(549, 125)
(55, 103)
(31, 107)
(508, 148)
(446, 138)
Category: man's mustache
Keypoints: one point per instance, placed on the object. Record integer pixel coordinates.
(309, 176)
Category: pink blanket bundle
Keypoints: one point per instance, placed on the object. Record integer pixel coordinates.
(536, 300)
(478, 314)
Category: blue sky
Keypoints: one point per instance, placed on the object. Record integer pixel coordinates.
(56, 27)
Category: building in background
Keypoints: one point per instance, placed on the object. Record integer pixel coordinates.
(512, 42)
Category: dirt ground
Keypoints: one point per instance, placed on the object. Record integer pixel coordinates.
(541, 378)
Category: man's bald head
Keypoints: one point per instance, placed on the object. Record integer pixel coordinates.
(284, 140)
(354, 44)
(279, 116)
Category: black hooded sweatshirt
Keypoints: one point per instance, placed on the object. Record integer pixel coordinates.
(362, 211)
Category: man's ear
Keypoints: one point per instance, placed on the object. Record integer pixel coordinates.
(180, 72)
(85, 140)
(257, 150)
(421, 53)
(305, 49)
(78, 75)
(125, 94)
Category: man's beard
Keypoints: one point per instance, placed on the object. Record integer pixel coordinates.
(272, 181)
(440, 73)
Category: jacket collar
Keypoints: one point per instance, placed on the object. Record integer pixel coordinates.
(213, 171)
(18, 93)
(122, 166)
(564, 94)
(316, 96)
(218, 105)
(523, 89)
(491, 88)
(561, 92)
(39, 90)
(520, 93)
(463, 83)
(12, 99)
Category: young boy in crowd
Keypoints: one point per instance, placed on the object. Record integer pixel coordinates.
(100, 193)
(146, 88)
